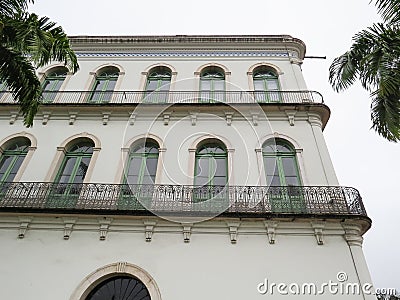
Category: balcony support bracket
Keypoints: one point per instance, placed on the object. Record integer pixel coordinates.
(104, 227)
(318, 231)
(149, 229)
(23, 226)
(233, 230)
(271, 230)
(68, 226)
(187, 232)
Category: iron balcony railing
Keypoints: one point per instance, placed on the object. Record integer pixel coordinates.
(181, 199)
(165, 97)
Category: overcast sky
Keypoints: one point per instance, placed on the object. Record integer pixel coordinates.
(361, 158)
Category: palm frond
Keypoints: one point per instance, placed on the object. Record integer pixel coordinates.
(18, 74)
(389, 10)
(343, 71)
(9, 7)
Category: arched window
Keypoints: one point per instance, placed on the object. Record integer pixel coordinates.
(282, 172)
(266, 86)
(120, 288)
(211, 167)
(280, 163)
(212, 85)
(52, 83)
(104, 85)
(158, 85)
(142, 163)
(76, 162)
(12, 158)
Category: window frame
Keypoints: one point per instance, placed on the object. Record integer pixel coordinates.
(160, 93)
(55, 81)
(15, 156)
(104, 95)
(266, 94)
(213, 95)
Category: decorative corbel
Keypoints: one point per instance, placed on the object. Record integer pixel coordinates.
(193, 118)
(166, 117)
(104, 226)
(271, 230)
(318, 231)
(187, 232)
(132, 119)
(233, 231)
(228, 116)
(106, 117)
(149, 229)
(290, 114)
(72, 118)
(23, 226)
(68, 226)
(254, 118)
(352, 234)
(46, 117)
(13, 117)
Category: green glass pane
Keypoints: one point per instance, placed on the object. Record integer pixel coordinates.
(5, 163)
(134, 166)
(271, 166)
(68, 168)
(289, 166)
(151, 167)
(82, 169)
(221, 167)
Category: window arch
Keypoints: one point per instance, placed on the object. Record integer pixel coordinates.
(212, 84)
(266, 85)
(12, 158)
(141, 167)
(104, 84)
(281, 167)
(122, 287)
(52, 83)
(158, 85)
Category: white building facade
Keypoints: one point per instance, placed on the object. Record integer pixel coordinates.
(177, 167)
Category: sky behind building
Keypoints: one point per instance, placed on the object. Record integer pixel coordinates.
(361, 158)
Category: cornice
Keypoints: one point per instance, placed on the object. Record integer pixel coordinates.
(285, 42)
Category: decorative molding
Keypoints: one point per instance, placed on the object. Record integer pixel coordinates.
(132, 119)
(318, 231)
(290, 114)
(104, 226)
(23, 226)
(314, 120)
(13, 117)
(149, 229)
(106, 117)
(121, 267)
(353, 235)
(271, 226)
(192, 54)
(228, 116)
(254, 118)
(166, 117)
(193, 118)
(233, 230)
(46, 117)
(68, 226)
(187, 232)
(72, 118)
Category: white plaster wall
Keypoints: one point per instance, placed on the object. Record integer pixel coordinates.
(44, 266)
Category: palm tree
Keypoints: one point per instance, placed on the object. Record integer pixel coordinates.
(374, 59)
(26, 43)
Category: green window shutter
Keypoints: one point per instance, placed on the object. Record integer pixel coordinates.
(11, 160)
(104, 85)
(157, 86)
(212, 86)
(266, 86)
(52, 84)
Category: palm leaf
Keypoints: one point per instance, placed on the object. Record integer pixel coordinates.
(18, 74)
(389, 10)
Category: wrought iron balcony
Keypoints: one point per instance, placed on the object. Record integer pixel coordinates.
(165, 97)
(96, 198)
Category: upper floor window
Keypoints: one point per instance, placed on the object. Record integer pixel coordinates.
(142, 163)
(280, 163)
(212, 85)
(52, 83)
(12, 157)
(158, 85)
(266, 86)
(104, 85)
